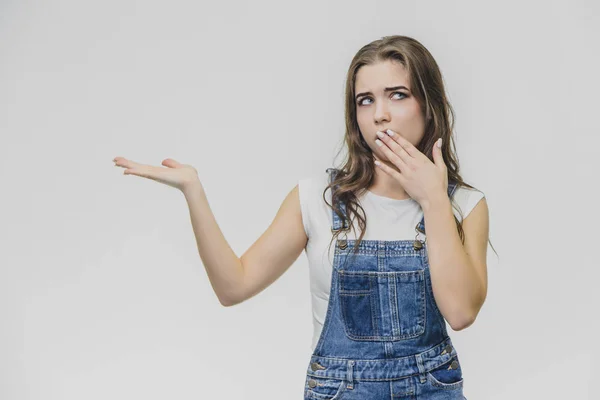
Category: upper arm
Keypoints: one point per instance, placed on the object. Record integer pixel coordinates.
(476, 231)
(275, 250)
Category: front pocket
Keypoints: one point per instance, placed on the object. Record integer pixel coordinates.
(446, 377)
(382, 306)
(323, 388)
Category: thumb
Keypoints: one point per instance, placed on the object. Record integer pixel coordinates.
(169, 162)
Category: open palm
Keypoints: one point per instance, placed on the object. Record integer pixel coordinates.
(175, 174)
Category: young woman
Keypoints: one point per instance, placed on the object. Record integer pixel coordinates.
(382, 295)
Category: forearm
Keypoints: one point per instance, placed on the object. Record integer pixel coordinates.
(223, 266)
(456, 284)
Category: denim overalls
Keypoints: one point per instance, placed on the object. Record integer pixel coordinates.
(383, 337)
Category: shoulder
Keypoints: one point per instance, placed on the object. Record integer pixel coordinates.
(312, 186)
(311, 190)
(465, 200)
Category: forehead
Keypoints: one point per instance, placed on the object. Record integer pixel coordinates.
(379, 75)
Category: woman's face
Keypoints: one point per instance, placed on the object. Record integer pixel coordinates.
(381, 105)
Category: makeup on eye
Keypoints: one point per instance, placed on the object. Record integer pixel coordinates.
(360, 102)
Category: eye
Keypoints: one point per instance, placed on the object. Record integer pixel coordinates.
(360, 102)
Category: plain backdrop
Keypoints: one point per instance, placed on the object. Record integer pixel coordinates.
(102, 291)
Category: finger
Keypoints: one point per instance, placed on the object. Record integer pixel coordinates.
(391, 154)
(148, 172)
(133, 168)
(395, 146)
(169, 162)
(390, 171)
(144, 173)
(438, 158)
(142, 170)
(405, 144)
(123, 162)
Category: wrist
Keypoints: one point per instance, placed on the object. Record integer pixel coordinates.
(191, 187)
(435, 202)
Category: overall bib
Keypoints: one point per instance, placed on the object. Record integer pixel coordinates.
(384, 337)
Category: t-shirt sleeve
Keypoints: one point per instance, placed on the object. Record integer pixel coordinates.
(305, 193)
(466, 199)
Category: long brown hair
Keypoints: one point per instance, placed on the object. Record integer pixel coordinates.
(358, 171)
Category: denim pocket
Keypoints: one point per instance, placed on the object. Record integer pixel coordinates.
(447, 376)
(323, 388)
(362, 292)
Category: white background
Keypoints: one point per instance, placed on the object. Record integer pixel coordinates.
(102, 292)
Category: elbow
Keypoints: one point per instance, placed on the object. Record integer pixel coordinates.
(231, 296)
(462, 323)
(228, 301)
(232, 293)
(467, 315)
(463, 320)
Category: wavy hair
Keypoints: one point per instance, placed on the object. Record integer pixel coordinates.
(358, 170)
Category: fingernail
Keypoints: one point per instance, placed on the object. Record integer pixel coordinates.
(379, 142)
(379, 134)
(389, 132)
(439, 142)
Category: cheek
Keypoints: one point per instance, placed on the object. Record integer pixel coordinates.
(362, 121)
(411, 108)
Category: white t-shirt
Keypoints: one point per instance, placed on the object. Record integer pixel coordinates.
(387, 219)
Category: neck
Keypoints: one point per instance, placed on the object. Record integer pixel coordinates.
(387, 186)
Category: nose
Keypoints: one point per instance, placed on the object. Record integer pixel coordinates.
(381, 113)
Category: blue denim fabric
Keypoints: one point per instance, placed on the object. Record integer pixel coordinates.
(384, 337)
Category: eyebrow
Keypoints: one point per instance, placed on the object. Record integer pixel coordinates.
(389, 89)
